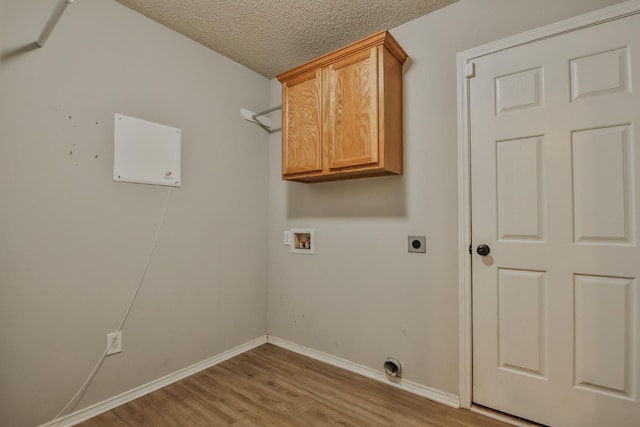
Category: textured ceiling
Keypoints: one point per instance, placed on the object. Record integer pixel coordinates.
(273, 36)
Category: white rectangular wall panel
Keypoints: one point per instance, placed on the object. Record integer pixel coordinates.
(520, 189)
(521, 321)
(604, 334)
(602, 178)
(146, 152)
(519, 90)
(600, 74)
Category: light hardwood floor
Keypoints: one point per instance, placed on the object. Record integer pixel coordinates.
(271, 386)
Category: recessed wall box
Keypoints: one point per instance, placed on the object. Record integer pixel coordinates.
(303, 241)
(417, 244)
(146, 152)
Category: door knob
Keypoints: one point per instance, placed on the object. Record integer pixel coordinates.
(483, 250)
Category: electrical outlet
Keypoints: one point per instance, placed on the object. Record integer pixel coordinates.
(287, 237)
(417, 244)
(114, 343)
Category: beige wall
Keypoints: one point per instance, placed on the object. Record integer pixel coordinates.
(362, 297)
(73, 242)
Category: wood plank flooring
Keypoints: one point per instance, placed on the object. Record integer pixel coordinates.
(271, 386)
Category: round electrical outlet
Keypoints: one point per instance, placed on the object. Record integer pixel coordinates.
(417, 244)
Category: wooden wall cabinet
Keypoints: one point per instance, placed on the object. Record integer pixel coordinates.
(342, 113)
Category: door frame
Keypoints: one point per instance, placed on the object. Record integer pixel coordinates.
(465, 58)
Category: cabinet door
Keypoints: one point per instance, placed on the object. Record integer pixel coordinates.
(353, 111)
(302, 127)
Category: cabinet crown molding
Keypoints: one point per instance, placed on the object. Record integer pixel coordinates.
(383, 38)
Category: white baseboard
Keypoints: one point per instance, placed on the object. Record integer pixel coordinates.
(410, 386)
(104, 406)
(111, 403)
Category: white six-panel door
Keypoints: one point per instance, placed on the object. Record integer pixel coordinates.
(555, 184)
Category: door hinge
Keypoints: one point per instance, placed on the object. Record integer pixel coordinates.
(471, 70)
(470, 250)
